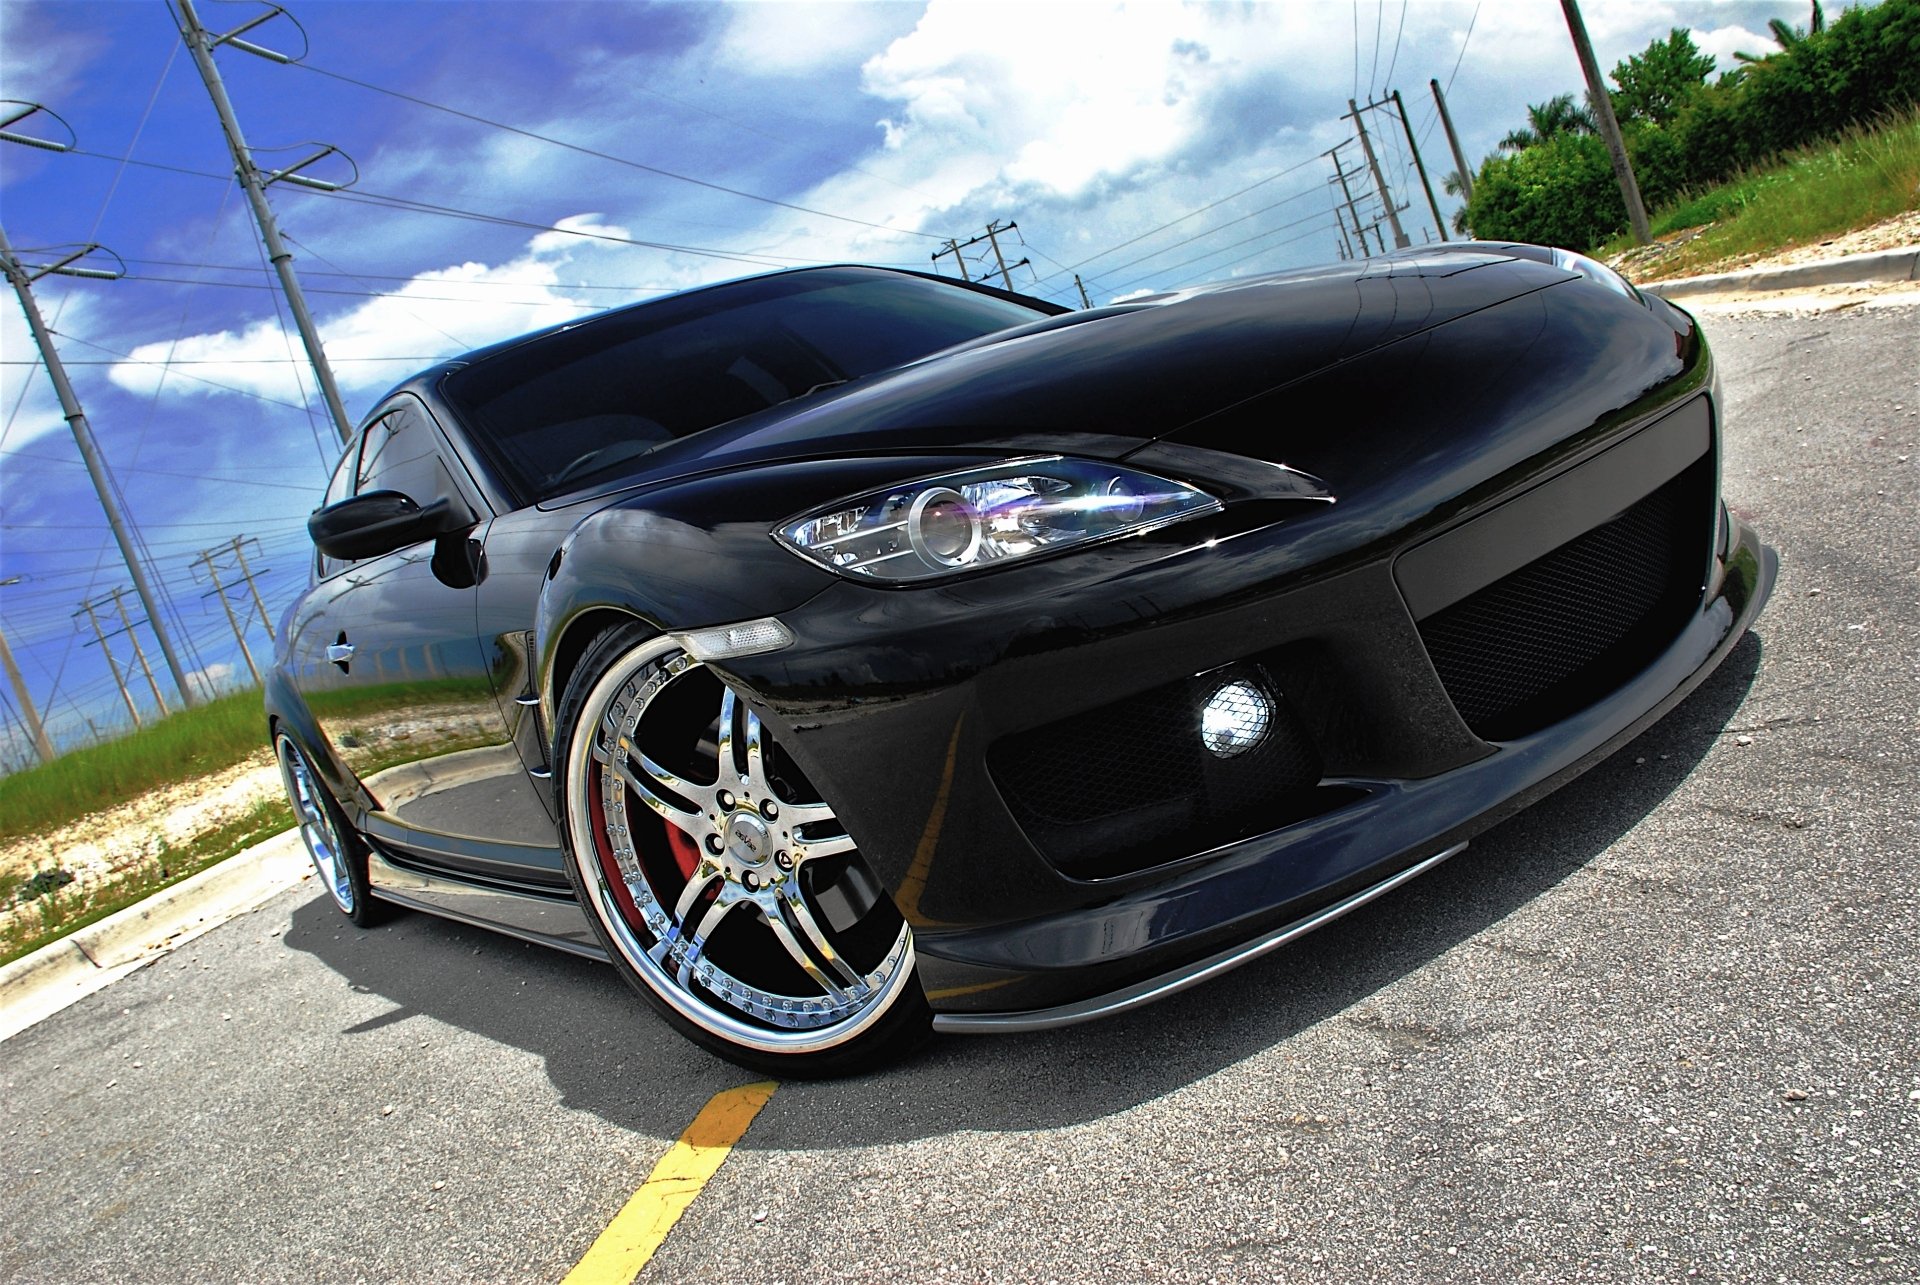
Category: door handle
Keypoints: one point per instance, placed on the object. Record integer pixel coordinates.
(339, 653)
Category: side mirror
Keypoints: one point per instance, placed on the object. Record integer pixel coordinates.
(377, 522)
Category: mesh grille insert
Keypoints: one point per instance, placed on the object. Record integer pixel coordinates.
(1570, 627)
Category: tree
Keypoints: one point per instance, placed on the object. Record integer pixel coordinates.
(1654, 84)
(1788, 38)
(1558, 115)
(1454, 185)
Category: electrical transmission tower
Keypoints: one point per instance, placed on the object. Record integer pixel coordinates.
(31, 715)
(22, 278)
(1400, 239)
(201, 43)
(210, 559)
(91, 609)
(1354, 110)
(992, 237)
(1351, 204)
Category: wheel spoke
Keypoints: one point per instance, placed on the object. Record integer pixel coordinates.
(755, 768)
(696, 887)
(797, 814)
(730, 763)
(696, 945)
(813, 849)
(793, 922)
(654, 783)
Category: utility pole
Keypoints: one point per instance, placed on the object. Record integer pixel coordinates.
(1400, 240)
(233, 622)
(992, 237)
(1453, 141)
(953, 248)
(1352, 204)
(22, 282)
(112, 664)
(1084, 301)
(1609, 126)
(1418, 165)
(119, 602)
(41, 744)
(201, 43)
(238, 545)
(1346, 242)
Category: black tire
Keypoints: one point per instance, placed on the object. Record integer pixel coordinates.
(338, 853)
(720, 882)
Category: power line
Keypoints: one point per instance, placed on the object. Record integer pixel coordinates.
(1315, 217)
(608, 156)
(1210, 231)
(1182, 219)
(385, 276)
(1397, 33)
(156, 472)
(384, 201)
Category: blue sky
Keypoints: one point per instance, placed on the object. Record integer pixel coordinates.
(891, 126)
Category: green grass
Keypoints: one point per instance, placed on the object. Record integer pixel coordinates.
(189, 743)
(1811, 196)
(57, 911)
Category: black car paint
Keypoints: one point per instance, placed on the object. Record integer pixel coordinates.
(1424, 390)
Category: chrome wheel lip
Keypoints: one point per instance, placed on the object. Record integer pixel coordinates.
(667, 961)
(325, 846)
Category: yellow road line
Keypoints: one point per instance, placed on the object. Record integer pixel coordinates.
(644, 1221)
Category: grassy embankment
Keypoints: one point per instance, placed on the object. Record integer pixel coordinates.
(1809, 196)
(188, 744)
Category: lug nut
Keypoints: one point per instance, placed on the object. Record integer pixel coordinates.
(783, 859)
(714, 845)
(751, 880)
(769, 809)
(725, 799)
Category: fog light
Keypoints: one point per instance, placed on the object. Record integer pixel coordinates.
(1235, 719)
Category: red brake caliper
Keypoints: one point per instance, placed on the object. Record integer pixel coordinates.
(685, 855)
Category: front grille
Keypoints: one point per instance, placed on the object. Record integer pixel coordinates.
(1130, 785)
(1572, 626)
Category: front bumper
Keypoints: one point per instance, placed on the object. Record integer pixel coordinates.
(897, 733)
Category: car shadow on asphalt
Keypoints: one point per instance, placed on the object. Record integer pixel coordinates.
(608, 1054)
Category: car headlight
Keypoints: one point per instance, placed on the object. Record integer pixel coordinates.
(1598, 273)
(984, 517)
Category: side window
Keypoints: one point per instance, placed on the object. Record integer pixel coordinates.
(403, 455)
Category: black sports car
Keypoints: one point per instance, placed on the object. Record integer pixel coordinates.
(848, 653)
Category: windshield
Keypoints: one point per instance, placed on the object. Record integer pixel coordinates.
(565, 407)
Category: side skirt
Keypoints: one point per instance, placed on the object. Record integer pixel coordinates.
(553, 921)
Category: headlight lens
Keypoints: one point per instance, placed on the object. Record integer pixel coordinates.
(983, 517)
(1598, 273)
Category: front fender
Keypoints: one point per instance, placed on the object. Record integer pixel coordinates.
(697, 553)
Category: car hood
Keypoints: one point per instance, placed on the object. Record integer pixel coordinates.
(1107, 381)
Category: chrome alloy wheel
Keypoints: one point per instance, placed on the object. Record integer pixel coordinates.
(318, 829)
(707, 859)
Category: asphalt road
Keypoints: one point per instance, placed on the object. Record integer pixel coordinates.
(1661, 1026)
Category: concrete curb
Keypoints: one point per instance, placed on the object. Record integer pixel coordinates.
(1901, 264)
(36, 986)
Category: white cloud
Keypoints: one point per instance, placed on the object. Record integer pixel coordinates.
(27, 386)
(1724, 42)
(437, 314)
(792, 39)
(210, 682)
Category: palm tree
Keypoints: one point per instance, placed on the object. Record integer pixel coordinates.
(1455, 185)
(1558, 115)
(1788, 38)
